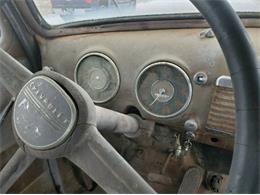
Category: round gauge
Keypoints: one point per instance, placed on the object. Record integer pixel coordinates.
(98, 75)
(163, 89)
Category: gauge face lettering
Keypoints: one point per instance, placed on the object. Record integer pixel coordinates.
(98, 75)
(163, 89)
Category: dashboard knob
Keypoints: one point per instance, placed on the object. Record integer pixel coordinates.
(200, 78)
(191, 125)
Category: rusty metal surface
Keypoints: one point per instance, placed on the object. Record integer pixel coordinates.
(130, 63)
(183, 47)
(150, 162)
(223, 141)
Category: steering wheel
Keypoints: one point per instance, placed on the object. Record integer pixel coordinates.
(54, 117)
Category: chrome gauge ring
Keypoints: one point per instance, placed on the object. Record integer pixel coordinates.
(98, 75)
(163, 89)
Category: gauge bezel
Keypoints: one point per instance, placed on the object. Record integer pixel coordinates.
(159, 63)
(113, 65)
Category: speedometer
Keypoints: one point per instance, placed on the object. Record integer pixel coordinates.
(163, 89)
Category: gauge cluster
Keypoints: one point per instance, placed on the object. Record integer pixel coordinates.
(162, 89)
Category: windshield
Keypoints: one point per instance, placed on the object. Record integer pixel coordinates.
(58, 12)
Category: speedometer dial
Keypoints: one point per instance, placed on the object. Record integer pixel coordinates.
(163, 89)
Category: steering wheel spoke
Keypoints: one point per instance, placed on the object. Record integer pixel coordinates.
(98, 159)
(51, 136)
(14, 168)
(13, 74)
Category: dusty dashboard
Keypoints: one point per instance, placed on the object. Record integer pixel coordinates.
(167, 76)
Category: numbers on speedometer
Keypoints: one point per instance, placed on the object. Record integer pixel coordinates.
(163, 89)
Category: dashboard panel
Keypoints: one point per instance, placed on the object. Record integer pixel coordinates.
(130, 77)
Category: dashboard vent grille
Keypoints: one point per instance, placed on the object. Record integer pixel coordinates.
(221, 116)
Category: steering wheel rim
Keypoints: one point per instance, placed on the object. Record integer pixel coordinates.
(245, 74)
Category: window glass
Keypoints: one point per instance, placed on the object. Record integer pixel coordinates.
(57, 12)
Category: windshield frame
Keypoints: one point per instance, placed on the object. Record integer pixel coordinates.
(136, 18)
(34, 19)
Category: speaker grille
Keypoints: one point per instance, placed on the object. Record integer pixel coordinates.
(221, 116)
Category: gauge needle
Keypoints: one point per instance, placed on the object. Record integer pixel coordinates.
(161, 92)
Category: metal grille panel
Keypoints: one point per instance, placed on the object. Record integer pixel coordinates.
(221, 116)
